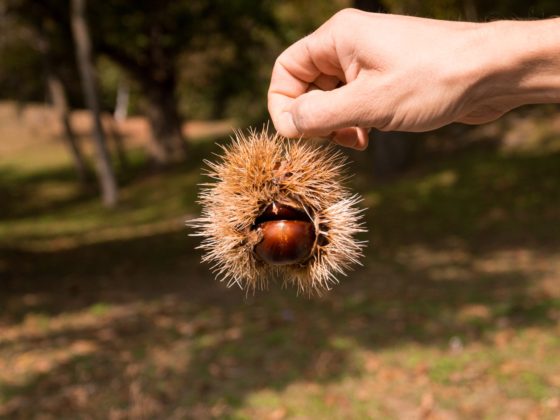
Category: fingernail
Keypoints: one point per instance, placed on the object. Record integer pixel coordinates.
(289, 128)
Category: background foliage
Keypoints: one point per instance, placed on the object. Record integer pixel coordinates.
(108, 313)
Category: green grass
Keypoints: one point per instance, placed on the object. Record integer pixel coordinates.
(109, 312)
(99, 309)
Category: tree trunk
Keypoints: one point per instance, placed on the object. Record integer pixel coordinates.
(157, 78)
(167, 143)
(392, 152)
(106, 176)
(60, 105)
(118, 140)
(119, 115)
(59, 102)
(121, 104)
(471, 11)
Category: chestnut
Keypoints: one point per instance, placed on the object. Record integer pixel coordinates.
(288, 236)
(285, 242)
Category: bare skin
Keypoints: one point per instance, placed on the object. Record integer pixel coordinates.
(364, 70)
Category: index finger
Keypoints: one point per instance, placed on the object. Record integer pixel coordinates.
(294, 72)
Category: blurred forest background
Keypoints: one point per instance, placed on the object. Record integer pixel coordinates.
(107, 110)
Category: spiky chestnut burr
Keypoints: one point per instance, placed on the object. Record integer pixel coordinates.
(277, 209)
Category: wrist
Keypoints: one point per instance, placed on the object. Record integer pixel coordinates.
(521, 62)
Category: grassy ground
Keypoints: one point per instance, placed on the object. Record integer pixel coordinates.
(455, 314)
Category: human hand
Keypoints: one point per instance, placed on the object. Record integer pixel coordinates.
(398, 73)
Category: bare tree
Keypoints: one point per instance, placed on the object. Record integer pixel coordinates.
(114, 121)
(115, 135)
(122, 101)
(82, 42)
(57, 93)
(470, 10)
(60, 105)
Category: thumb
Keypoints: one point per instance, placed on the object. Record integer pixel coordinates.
(318, 113)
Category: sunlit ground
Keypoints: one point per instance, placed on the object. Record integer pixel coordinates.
(455, 313)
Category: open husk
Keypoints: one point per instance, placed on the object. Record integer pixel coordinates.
(253, 171)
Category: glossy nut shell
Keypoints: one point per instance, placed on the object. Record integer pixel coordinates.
(285, 241)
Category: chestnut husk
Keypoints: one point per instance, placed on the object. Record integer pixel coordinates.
(276, 208)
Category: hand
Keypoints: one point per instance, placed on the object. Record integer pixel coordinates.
(398, 73)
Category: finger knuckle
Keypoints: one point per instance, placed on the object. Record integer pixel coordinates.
(344, 14)
(341, 18)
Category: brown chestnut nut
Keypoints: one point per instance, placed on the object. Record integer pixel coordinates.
(285, 241)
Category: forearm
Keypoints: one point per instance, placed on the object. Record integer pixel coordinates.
(524, 61)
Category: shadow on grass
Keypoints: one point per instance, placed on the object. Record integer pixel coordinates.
(25, 194)
(153, 332)
(151, 319)
(480, 198)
